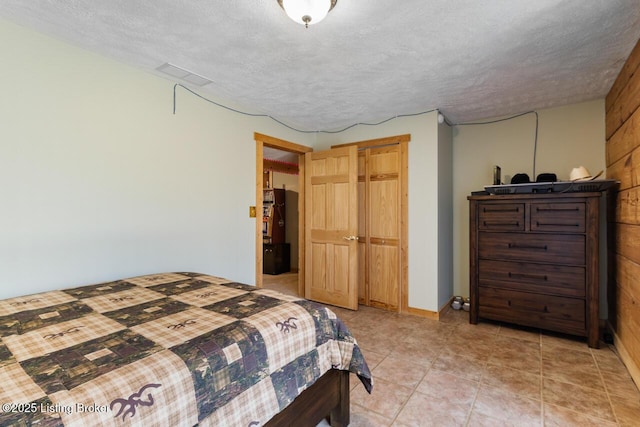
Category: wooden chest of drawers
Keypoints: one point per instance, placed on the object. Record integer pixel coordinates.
(534, 261)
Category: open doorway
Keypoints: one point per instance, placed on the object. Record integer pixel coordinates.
(280, 217)
(280, 264)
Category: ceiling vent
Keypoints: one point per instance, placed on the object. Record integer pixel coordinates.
(183, 74)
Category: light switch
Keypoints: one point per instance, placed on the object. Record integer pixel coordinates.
(252, 211)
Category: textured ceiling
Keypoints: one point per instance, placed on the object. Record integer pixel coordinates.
(368, 60)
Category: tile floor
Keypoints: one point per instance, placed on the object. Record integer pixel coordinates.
(451, 373)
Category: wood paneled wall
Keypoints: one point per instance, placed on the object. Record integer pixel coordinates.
(623, 164)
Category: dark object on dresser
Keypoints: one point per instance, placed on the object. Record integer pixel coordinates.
(534, 261)
(520, 178)
(547, 177)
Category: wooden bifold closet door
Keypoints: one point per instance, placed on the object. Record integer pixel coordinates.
(379, 172)
(383, 222)
(331, 248)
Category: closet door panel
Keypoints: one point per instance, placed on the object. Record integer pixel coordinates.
(384, 160)
(363, 274)
(362, 164)
(363, 288)
(339, 212)
(331, 246)
(383, 276)
(384, 212)
(383, 238)
(318, 215)
(362, 211)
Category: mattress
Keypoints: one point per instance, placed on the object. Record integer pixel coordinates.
(165, 349)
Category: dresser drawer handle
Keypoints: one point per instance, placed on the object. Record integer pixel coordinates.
(557, 209)
(550, 224)
(497, 209)
(529, 276)
(537, 247)
(501, 224)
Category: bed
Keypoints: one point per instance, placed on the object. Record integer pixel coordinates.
(174, 349)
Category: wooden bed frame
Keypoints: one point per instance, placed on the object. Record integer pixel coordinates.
(327, 398)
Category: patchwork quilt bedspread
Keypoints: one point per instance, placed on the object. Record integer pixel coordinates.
(164, 349)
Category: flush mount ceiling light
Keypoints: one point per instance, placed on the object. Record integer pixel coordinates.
(307, 12)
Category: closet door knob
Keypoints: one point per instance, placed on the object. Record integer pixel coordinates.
(350, 237)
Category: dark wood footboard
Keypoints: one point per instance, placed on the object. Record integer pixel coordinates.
(326, 398)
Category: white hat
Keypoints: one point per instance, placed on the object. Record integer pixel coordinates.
(582, 174)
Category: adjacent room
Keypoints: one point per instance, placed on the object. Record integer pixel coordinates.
(421, 213)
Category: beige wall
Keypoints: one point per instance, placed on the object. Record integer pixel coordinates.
(99, 180)
(568, 136)
(445, 214)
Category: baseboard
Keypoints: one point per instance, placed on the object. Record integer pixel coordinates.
(428, 314)
(633, 369)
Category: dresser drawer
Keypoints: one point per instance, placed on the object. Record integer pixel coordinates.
(531, 247)
(540, 278)
(549, 312)
(501, 217)
(561, 217)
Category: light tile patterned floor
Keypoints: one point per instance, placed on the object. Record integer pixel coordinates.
(451, 373)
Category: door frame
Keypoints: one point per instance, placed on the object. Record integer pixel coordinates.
(280, 144)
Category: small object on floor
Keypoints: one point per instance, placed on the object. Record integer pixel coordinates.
(457, 303)
(467, 304)
(608, 338)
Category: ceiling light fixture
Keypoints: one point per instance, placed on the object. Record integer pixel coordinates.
(306, 12)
